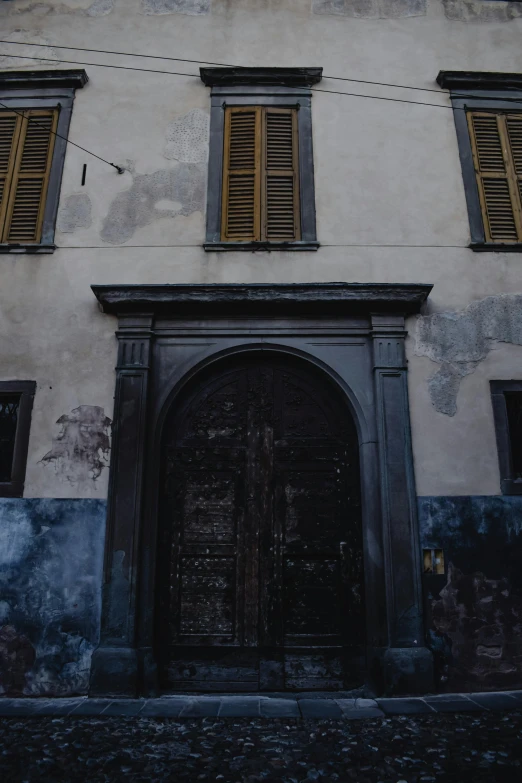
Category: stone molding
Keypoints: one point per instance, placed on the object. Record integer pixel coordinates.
(292, 298)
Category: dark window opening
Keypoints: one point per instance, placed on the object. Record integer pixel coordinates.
(8, 420)
(514, 416)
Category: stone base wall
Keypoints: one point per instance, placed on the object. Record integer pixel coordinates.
(474, 610)
(51, 558)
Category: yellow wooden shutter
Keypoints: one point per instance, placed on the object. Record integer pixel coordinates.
(241, 174)
(499, 187)
(260, 200)
(10, 124)
(30, 177)
(280, 177)
(514, 129)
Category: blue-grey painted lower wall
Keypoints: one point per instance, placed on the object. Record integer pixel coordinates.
(51, 558)
(474, 611)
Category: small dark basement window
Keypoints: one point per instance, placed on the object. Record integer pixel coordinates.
(16, 404)
(507, 411)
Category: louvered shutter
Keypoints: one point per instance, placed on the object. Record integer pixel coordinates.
(241, 174)
(494, 149)
(280, 176)
(9, 132)
(514, 129)
(26, 202)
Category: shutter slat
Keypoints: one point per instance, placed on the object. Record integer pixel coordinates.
(499, 210)
(281, 207)
(241, 175)
(491, 136)
(514, 126)
(31, 176)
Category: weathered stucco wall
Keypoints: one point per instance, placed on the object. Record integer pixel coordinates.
(389, 196)
(51, 554)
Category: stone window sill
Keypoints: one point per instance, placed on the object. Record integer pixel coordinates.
(510, 487)
(495, 247)
(27, 248)
(221, 247)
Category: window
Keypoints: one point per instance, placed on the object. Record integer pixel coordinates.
(26, 151)
(488, 119)
(261, 183)
(507, 410)
(16, 403)
(35, 113)
(496, 141)
(260, 175)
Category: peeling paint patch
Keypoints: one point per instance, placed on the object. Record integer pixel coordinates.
(81, 450)
(75, 213)
(188, 7)
(370, 9)
(100, 8)
(21, 36)
(51, 585)
(481, 10)
(182, 187)
(187, 138)
(458, 341)
(78, 7)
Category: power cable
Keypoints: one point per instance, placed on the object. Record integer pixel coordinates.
(313, 89)
(206, 62)
(195, 76)
(119, 169)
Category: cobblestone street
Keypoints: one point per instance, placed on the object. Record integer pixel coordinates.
(483, 746)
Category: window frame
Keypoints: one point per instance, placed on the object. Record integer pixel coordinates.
(296, 93)
(54, 90)
(26, 389)
(479, 92)
(498, 400)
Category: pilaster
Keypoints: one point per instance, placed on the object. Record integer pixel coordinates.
(114, 667)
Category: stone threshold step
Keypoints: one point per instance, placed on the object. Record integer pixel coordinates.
(265, 705)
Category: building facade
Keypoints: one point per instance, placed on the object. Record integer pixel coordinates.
(261, 374)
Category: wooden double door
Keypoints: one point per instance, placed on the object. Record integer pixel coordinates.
(260, 579)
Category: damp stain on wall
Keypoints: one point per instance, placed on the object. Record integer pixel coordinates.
(51, 555)
(167, 193)
(459, 341)
(81, 449)
(75, 212)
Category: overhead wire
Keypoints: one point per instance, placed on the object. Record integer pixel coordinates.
(206, 62)
(196, 76)
(119, 169)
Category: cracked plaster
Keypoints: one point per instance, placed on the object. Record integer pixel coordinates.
(148, 199)
(481, 10)
(81, 7)
(187, 7)
(458, 341)
(187, 138)
(370, 9)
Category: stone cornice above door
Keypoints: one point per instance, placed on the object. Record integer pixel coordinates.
(263, 298)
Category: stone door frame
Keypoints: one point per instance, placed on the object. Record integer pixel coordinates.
(353, 332)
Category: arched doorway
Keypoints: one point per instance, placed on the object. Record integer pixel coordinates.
(260, 561)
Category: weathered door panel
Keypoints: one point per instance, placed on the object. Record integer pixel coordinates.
(261, 535)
